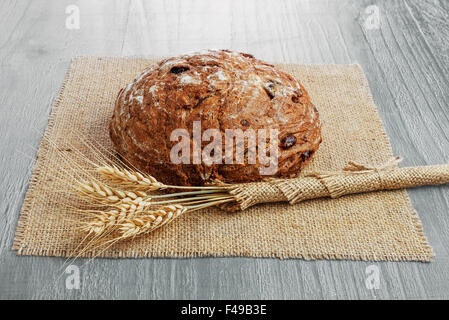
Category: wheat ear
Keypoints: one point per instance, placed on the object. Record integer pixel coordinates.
(106, 194)
(130, 178)
(151, 221)
(106, 220)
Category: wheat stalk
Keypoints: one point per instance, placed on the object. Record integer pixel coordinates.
(129, 211)
(105, 194)
(155, 219)
(102, 221)
(130, 178)
(126, 208)
(121, 205)
(106, 220)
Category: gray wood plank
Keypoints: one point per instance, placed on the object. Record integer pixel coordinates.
(406, 64)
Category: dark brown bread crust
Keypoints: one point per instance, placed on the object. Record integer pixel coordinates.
(224, 90)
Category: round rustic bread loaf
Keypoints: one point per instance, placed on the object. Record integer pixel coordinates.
(224, 90)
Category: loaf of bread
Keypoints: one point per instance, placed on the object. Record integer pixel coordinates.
(222, 90)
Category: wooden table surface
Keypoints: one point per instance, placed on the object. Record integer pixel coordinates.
(405, 54)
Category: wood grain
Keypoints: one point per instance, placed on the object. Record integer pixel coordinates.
(406, 63)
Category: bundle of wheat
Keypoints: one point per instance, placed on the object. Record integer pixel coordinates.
(127, 207)
(121, 203)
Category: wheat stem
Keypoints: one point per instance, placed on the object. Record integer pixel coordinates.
(210, 204)
(184, 200)
(196, 187)
(179, 194)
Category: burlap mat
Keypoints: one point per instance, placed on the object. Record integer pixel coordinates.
(374, 226)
